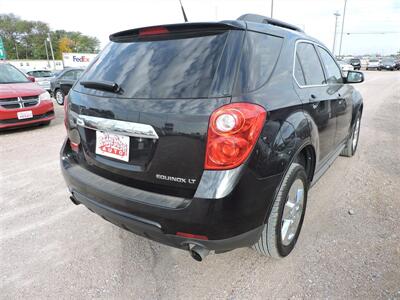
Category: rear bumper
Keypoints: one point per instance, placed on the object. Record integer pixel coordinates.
(231, 222)
(42, 112)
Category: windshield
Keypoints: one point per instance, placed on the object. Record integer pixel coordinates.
(41, 73)
(355, 61)
(9, 74)
(174, 68)
(388, 61)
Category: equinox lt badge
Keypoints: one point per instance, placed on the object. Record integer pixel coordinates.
(176, 179)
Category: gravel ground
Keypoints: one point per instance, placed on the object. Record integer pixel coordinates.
(349, 246)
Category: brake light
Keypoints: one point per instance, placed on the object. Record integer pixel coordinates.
(153, 31)
(233, 131)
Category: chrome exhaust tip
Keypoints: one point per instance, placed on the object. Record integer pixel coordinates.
(198, 253)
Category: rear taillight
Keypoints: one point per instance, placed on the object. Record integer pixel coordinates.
(233, 131)
(73, 134)
(66, 112)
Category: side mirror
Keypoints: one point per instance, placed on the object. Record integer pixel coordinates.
(31, 78)
(354, 77)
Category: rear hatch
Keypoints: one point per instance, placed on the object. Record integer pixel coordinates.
(156, 88)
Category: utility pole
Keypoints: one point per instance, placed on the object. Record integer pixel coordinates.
(341, 35)
(47, 53)
(51, 49)
(337, 15)
(272, 8)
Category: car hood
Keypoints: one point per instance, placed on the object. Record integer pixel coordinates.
(10, 90)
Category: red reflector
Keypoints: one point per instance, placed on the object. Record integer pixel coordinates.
(74, 146)
(192, 236)
(153, 31)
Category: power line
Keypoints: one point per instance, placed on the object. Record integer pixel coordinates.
(377, 32)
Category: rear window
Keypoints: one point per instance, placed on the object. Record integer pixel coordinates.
(40, 73)
(260, 54)
(176, 68)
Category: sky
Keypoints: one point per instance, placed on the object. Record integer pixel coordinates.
(100, 18)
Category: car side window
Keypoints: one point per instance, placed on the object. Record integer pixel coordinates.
(334, 75)
(77, 74)
(310, 63)
(260, 55)
(298, 72)
(68, 75)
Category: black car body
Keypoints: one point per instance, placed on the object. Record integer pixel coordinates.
(167, 88)
(356, 63)
(388, 63)
(62, 83)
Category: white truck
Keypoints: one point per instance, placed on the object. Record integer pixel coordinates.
(77, 60)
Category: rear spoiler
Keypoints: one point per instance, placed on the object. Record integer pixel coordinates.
(181, 29)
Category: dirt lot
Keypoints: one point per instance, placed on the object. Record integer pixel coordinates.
(51, 248)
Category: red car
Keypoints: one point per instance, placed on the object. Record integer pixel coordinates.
(22, 102)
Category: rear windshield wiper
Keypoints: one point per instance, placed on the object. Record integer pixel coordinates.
(107, 86)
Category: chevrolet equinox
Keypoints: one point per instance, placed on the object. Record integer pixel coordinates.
(208, 136)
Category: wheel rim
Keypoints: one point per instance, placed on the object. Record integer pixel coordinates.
(59, 97)
(292, 212)
(356, 133)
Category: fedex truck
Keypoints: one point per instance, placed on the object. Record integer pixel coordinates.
(77, 60)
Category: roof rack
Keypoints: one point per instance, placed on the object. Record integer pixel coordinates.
(266, 20)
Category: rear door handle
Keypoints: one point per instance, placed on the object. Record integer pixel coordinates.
(313, 97)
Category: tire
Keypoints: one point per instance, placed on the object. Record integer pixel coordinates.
(271, 242)
(59, 96)
(352, 142)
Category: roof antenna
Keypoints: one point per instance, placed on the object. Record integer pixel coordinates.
(183, 11)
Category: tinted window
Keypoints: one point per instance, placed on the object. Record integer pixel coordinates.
(298, 72)
(333, 73)
(260, 54)
(175, 68)
(41, 73)
(76, 74)
(388, 61)
(68, 75)
(9, 74)
(308, 58)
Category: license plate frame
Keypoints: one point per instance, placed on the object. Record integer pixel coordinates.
(22, 115)
(112, 145)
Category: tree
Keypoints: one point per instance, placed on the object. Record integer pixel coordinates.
(26, 39)
(65, 44)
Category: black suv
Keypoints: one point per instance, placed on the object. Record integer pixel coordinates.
(62, 83)
(207, 136)
(356, 63)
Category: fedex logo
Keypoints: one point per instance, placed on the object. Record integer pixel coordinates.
(80, 59)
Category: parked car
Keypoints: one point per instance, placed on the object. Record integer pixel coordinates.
(356, 63)
(42, 78)
(345, 66)
(388, 63)
(373, 64)
(397, 64)
(63, 82)
(208, 136)
(22, 102)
